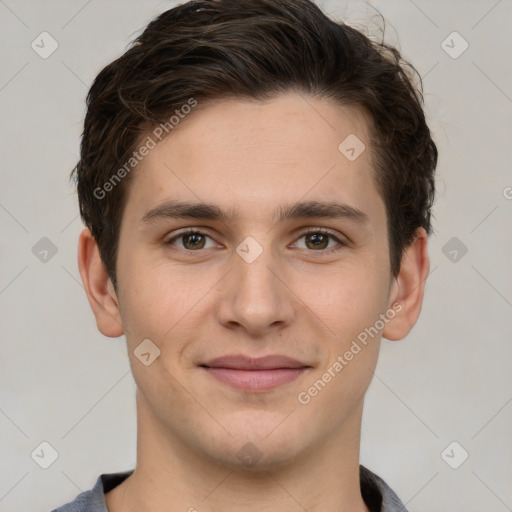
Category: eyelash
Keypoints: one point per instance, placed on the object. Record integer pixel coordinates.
(323, 231)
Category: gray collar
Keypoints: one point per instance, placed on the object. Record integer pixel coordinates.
(378, 496)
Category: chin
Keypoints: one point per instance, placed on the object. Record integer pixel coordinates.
(259, 442)
(254, 457)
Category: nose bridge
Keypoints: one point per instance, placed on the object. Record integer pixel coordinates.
(254, 267)
(254, 270)
(255, 298)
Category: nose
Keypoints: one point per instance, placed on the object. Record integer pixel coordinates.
(255, 296)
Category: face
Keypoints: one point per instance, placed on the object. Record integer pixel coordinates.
(255, 276)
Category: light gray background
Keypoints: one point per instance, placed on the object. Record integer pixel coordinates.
(450, 380)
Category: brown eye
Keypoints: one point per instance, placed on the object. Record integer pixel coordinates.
(317, 240)
(190, 241)
(193, 241)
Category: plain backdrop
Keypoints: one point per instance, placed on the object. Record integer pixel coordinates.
(449, 381)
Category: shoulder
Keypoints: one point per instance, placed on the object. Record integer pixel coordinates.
(377, 494)
(93, 500)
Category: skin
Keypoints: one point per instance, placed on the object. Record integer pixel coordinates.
(294, 299)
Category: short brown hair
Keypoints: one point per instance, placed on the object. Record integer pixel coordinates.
(214, 49)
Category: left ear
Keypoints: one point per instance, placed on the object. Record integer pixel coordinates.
(408, 288)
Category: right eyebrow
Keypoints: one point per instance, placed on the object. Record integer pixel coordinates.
(188, 210)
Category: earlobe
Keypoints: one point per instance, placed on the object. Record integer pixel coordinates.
(98, 287)
(408, 289)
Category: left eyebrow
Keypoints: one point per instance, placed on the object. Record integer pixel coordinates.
(321, 210)
(304, 210)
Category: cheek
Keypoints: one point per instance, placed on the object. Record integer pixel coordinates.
(350, 307)
(348, 299)
(151, 311)
(164, 305)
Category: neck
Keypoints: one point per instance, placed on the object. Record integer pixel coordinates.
(171, 476)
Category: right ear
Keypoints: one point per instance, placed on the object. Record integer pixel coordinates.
(98, 287)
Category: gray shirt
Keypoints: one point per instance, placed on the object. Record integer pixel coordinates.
(377, 495)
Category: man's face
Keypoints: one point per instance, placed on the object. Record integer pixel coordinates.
(282, 292)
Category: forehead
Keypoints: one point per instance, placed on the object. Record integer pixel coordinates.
(253, 156)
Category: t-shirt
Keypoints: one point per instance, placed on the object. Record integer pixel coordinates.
(377, 495)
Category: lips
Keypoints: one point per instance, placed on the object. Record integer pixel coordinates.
(241, 362)
(255, 374)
